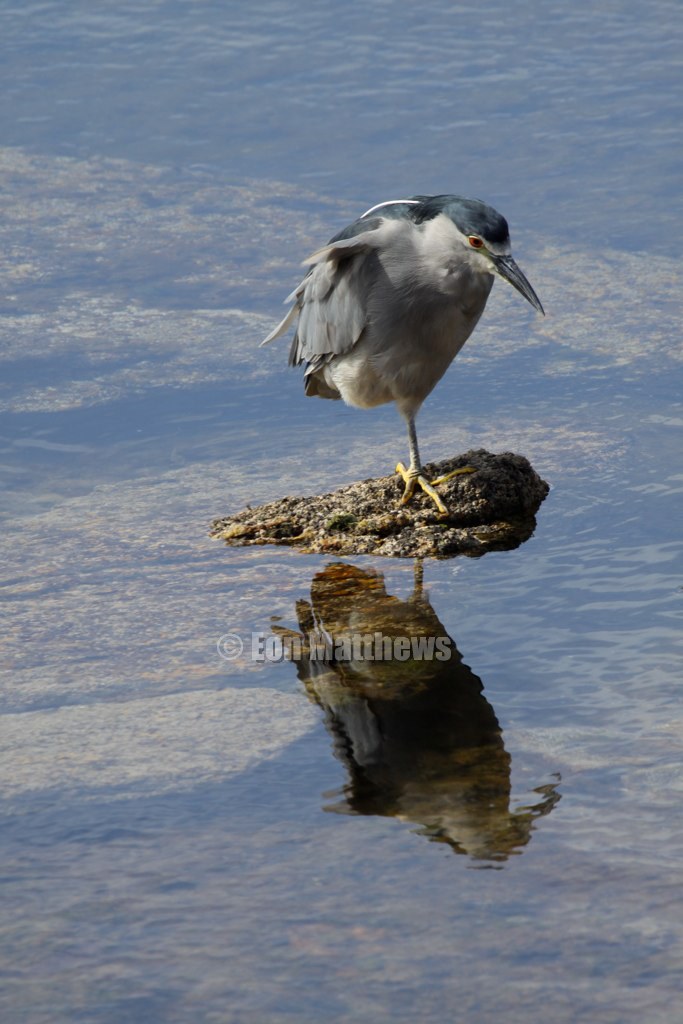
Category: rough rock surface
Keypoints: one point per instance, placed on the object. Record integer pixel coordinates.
(493, 507)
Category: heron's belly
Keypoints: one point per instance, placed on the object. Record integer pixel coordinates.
(357, 380)
(403, 369)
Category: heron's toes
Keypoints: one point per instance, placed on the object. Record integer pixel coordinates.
(410, 479)
(429, 490)
(413, 480)
(455, 472)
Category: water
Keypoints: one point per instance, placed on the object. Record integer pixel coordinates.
(187, 838)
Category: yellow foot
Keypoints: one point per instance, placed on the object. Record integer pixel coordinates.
(455, 472)
(413, 480)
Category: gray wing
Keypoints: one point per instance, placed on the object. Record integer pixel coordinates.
(331, 301)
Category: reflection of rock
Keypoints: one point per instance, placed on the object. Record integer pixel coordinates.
(491, 508)
(419, 740)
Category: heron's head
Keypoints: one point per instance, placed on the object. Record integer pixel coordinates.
(484, 236)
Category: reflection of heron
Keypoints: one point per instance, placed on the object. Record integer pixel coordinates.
(419, 740)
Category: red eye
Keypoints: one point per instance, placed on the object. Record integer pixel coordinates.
(475, 242)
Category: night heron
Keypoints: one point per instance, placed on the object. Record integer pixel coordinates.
(389, 302)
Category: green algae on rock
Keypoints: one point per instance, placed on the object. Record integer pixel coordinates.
(492, 508)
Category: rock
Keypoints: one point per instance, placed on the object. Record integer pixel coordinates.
(492, 508)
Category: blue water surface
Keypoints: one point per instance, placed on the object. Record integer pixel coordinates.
(193, 839)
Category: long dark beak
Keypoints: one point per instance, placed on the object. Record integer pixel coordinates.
(506, 267)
